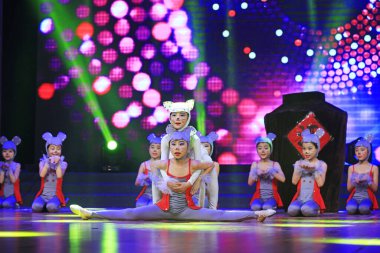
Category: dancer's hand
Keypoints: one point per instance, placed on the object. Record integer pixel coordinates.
(181, 187)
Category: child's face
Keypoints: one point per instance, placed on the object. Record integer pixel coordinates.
(309, 150)
(207, 147)
(178, 119)
(54, 150)
(8, 154)
(263, 150)
(361, 153)
(155, 150)
(178, 148)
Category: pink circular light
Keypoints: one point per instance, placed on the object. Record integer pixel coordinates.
(100, 3)
(74, 72)
(148, 123)
(138, 14)
(120, 119)
(190, 53)
(151, 98)
(227, 158)
(183, 36)
(101, 18)
(126, 45)
(95, 66)
(215, 109)
(214, 84)
(119, 9)
(134, 109)
(169, 48)
(173, 4)
(116, 74)
(230, 97)
(247, 107)
(225, 137)
(105, 38)
(161, 31)
(87, 48)
(125, 91)
(201, 69)
(141, 81)
(161, 114)
(83, 11)
(178, 19)
(158, 12)
(133, 64)
(122, 27)
(101, 85)
(189, 82)
(148, 51)
(109, 55)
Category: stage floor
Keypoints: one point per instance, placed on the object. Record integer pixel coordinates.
(24, 231)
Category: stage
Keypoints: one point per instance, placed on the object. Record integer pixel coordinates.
(24, 231)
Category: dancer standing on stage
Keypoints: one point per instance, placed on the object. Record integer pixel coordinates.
(176, 203)
(265, 173)
(309, 175)
(52, 168)
(210, 198)
(10, 196)
(145, 196)
(362, 180)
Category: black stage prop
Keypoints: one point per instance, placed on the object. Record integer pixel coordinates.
(283, 119)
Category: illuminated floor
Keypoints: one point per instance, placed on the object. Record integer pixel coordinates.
(24, 231)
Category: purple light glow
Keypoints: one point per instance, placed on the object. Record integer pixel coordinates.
(148, 51)
(95, 67)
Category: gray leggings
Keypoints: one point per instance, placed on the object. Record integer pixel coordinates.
(153, 212)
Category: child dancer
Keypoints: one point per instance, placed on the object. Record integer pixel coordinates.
(179, 121)
(265, 173)
(309, 176)
(362, 181)
(176, 203)
(145, 196)
(212, 191)
(10, 196)
(52, 169)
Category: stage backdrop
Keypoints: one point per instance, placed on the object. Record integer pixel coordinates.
(105, 67)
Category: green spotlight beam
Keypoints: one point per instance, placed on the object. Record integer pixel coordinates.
(198, 24)
(63, 17)
(231, 60)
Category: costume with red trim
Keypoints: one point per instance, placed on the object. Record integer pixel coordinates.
(58, 193)
(371, 194)
(164, 205)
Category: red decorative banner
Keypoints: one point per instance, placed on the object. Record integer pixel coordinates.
(312, 123)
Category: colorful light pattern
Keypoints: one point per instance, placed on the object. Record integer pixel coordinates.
(140, 53)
